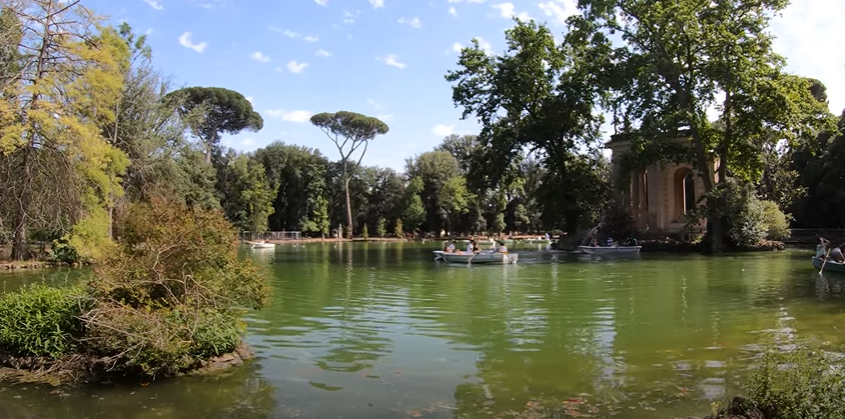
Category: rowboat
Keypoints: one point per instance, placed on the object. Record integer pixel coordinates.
(261, 245)
(830, 266)
(610, 250)
(438, 254)
(489, 258)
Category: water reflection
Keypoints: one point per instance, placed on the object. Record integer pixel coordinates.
(239, 394)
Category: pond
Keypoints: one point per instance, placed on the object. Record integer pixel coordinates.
(379, 330)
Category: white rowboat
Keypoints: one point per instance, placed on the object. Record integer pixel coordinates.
(487, 258)
(261, 245)
(610, 250)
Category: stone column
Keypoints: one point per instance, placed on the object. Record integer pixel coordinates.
(636, 185)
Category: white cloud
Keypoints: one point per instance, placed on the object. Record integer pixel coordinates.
(376, 105)
(385, 117)
(294, 35)
(260, 57)
(249, 99)
(392, 60)
(296, 67)
(457, 47)
(290, 116)
(154, 4)
(377, 3)
(506, 10)
(443, 130)
(185, 41)
(323, 53)
(321, 2)
(483, 44)
(414, 23)
(453, 12)
(804, 38)
(248, 142)
(559, 10)
(466, 1)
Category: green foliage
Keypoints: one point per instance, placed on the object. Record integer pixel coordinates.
(63, 252)
(800, 383)
(211, 111)
(748, 219)
(399, 230)
(415, 212)
(172, 292)
(381, 227)
(538, 95)
(41, 321)
(776, 222)
(247, 196)
(365, 233)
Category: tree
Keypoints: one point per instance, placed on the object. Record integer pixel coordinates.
(538, 95)
(58, 168)
(249, 199)
(413, 215)
(682, 58)
(349, 131)
(211, 111)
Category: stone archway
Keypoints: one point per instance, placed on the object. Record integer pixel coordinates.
(685, 193)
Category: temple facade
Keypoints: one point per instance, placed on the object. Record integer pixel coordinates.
(659, 197)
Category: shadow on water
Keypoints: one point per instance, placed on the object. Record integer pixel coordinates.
(239, 394)
(380, 330)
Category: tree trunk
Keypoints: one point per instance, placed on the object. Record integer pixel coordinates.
(348, 205)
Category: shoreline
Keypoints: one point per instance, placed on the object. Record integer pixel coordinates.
(81, 369)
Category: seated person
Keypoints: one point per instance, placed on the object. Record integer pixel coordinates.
(836, 254)
(502, 248)
(594, 242)
(450, 248)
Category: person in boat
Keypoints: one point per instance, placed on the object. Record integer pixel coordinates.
(837, 254)
(821, 248)
(450, 248)
(594, 242)
(610, 242)
(473, 247)
(502, 248)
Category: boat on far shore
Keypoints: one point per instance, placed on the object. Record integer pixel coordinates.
(261, 245)
(829, 266)
(610, 250)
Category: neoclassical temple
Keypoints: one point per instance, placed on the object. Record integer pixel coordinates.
(660, 196)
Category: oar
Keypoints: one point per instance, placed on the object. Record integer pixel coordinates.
(469, 261)
(825, 261)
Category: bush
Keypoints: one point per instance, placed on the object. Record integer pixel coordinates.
(799, 384)
(748, 220)
(365, 232)
(170, 295)
(399, 229)
(381, 227)
(38, 320)
(775, 221)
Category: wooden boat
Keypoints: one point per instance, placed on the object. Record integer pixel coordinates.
(610, 250)
(261, 245)
(486, 258)
(830, 266)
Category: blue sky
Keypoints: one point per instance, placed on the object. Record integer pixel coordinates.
(384, 58)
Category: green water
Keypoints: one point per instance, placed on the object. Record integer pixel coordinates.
(382, 331)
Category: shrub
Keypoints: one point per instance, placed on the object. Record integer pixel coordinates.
(38, 320)
(365, 232)
(399, 230)
(381, 227)
(775, 221)
(170, 294)
(799, 384)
